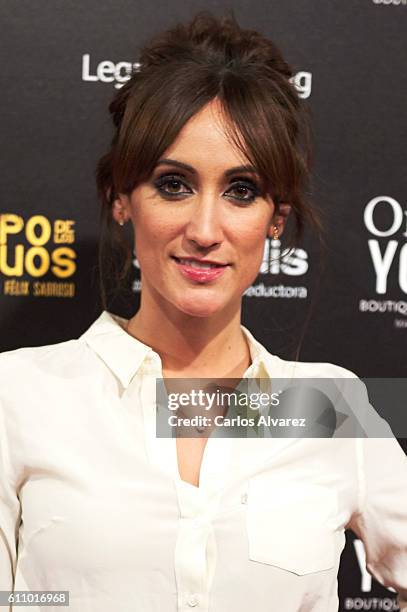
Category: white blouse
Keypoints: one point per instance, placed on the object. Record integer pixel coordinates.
(91, 501)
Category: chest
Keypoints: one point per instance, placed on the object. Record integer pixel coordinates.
(190, 453)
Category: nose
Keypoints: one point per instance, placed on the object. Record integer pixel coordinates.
(204, 226)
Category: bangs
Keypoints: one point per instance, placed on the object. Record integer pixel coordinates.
(256, 118)
(152, 123)
(261, 129)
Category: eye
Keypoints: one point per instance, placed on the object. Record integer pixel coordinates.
(244, 190)
(171, 185)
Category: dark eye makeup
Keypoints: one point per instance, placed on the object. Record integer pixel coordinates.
(174, 186)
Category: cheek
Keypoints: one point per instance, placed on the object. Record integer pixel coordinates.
(251, 252)
(152, 236)
(251, 241)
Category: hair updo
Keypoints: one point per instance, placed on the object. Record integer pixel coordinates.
(181, 70)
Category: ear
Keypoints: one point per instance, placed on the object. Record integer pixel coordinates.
(121, 208)
(279, 219)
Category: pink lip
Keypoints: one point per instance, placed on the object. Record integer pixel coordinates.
(200, 275)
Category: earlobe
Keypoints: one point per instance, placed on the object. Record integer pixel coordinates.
(279, 220)
(274, 232)
(119, 209)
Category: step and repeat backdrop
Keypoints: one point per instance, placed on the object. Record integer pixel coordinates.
(63, 60)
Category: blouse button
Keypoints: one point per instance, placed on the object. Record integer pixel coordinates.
(193, 601)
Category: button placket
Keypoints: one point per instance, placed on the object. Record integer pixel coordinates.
(194, 557)
(161, 451)
(191, 560)
(196, 550)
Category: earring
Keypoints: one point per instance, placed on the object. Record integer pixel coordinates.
(275, 233)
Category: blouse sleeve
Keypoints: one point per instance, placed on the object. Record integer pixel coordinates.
(381, 519)
(9, 512)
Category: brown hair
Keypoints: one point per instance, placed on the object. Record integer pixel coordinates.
(182, 69)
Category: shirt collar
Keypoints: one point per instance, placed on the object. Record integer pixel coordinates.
(120, 351)
(124, 354)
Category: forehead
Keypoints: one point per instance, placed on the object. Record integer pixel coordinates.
(203, 142)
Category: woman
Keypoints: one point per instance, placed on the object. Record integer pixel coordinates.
(209, 157)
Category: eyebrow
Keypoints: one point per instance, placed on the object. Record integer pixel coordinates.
(191, 169)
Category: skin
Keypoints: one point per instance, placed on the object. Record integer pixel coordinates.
(195, 327)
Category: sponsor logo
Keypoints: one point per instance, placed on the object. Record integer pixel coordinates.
(303, 83)
(371, 603)
(118, 73)
(32, 248)
(383, 306)
(276, 291)
(394, 2)
(275, 261)
(386, 222)
(391, 253)
(292, 262)
(107, 71)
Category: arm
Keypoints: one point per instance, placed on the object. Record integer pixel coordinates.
(381, 519)
(9, 513)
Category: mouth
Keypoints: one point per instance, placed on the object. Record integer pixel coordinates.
(200, 265)
(199, 271)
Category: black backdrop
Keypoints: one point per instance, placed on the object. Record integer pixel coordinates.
(61, 63)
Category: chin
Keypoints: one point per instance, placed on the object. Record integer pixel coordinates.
(196, 307)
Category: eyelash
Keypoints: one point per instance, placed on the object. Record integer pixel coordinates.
(174, 178)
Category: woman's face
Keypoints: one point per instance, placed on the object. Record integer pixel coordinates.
(199, 208)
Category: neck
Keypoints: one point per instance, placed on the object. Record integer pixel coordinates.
(213, 346)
